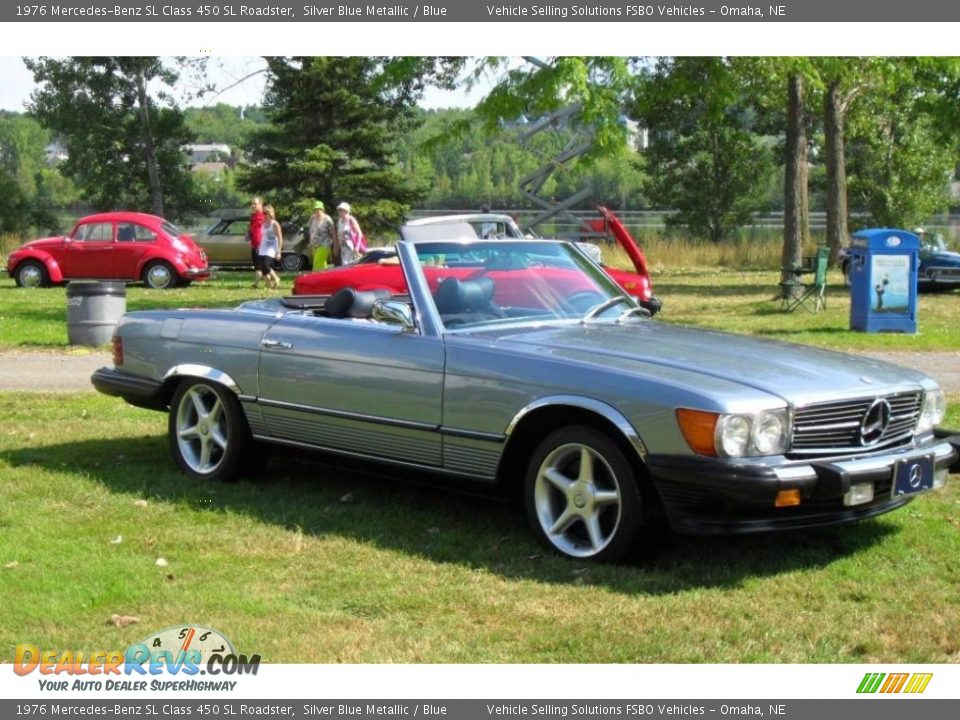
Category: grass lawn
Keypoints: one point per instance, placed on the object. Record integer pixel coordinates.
(712, 297)
(309, 563)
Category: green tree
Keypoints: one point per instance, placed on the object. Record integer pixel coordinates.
(124, 144)
(31, 189)
(902, 142)
(899, 172)
(222, 123)
(333, 134)
(705, 159)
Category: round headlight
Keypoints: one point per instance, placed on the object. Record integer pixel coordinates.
(934, 409)
(733, 433)
(770, 433)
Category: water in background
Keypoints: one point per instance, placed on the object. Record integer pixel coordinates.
(651, 224)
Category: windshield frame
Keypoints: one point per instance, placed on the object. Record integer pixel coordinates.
(427, 318)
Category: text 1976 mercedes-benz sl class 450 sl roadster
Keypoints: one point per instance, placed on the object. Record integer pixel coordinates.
(522, 364)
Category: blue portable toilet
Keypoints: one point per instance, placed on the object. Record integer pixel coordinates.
(883, 280)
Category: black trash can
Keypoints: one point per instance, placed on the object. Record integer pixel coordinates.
(93, 311)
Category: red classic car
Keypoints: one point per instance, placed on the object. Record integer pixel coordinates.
(112, 246)
(379, 268)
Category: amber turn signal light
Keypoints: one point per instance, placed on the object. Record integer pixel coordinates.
(787, 498)
(698, 428)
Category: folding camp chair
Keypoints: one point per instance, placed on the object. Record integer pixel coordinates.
(811, 295)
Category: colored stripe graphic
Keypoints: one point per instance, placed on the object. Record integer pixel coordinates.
(870, 682)
(918, 683)
(894, 683)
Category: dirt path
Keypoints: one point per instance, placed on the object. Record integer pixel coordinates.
(70, 371)
(49, 371)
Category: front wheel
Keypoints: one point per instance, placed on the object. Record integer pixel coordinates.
(208, 432)
(582, 495)
(31, 274)
(159, 275)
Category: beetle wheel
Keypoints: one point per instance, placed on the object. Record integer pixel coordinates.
(31, 274)
(159, 275)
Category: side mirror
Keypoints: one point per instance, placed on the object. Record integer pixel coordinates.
(394, 312)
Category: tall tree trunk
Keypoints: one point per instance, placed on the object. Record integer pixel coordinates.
(796, 160)
(805, 195)
(834, 111)
(150, 151)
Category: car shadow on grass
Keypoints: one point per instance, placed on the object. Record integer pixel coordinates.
(400, 513)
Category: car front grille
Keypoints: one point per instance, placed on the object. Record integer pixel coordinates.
(833, 428)
(943, 274)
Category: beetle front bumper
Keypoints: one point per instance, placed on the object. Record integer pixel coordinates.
(727, 496)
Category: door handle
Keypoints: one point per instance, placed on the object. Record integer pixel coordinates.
(277, 344)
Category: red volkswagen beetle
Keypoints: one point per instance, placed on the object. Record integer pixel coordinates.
(112, 246)
(379, 268)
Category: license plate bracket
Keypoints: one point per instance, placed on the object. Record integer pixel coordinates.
(913, 476)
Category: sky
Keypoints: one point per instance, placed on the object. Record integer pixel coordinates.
(16, 84)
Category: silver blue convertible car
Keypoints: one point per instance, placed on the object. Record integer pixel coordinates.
(523, 365)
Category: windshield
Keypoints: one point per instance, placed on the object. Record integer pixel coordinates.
(933, 243)
(487, 283)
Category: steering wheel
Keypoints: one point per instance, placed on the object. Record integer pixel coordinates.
(584, 300)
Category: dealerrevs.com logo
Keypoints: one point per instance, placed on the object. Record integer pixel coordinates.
(888, 683)
(184, 651)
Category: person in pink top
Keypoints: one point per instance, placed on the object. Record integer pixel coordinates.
(255, 233)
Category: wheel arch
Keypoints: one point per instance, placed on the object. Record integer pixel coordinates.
(529, 426)
(187, 371)
(50, 264)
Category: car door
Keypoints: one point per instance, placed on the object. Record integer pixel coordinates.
(227, 243)
(88, 252)
(133, 242)
(353, 386)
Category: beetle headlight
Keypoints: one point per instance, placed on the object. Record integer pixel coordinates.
(736, 434)
(934, 408)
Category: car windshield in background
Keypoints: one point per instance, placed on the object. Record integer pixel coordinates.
(933, 243)
(491, 283)
(170, 229)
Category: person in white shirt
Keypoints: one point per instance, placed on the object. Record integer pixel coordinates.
(271, 244)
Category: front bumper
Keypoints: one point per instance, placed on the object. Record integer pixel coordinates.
(138, 391)
(718, 496)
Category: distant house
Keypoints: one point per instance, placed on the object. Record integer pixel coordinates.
(55, 153)
(200, 153)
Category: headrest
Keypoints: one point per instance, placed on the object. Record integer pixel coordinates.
(350, 303)
(460, 296)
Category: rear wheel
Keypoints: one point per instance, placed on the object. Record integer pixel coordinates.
(582, 496)
(209, 436)
(292, 262)
(31, 274)
(159, 275)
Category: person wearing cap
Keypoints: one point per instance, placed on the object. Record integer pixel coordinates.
(352, 242)
(322, 234)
